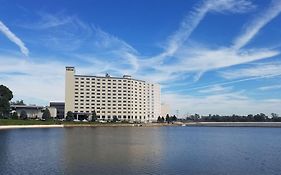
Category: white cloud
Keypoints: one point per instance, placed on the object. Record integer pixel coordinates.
(59, 32)
(12, 37)
(192, 20)
(204, 59)
(42, 81)
(272, 87)
(257, 24)
(223, 104)
(198, 60)
(215, 89)
(256, 70)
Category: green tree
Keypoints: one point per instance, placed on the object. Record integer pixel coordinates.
(23, 115)
(46, 114)
(260, 117)
(168, 118)
(174, 118)
(274, 115)
(5, 96)
(195, 117)
(15, 115)
(69, 116)
(160, 119)
(115, 119)
(94, 116)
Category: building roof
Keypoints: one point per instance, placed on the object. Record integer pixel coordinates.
(27, 106)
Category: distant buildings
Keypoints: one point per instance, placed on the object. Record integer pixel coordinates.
(122, 97)
(165, 109)
(33, 111)
(59, 106)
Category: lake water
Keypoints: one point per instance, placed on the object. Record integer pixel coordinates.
(132, 150)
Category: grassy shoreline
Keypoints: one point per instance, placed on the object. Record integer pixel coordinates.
(5, 123)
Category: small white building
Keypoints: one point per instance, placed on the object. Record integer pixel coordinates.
(33, 111)
(53, 111)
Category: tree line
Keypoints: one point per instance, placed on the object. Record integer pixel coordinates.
(167, 119)
(261, 117)
(6, 96)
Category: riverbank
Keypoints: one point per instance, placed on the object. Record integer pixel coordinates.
(235, 124)
(84, 125)
(17, 124)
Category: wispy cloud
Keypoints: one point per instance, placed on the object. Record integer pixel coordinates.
(215, 89)
(257, 24)
(205, 59)
(12, 37)
(53, 31)
(255, 70)
(223, 104)
(192, 20)
(193, 59)
(34, 80)
(272, 87)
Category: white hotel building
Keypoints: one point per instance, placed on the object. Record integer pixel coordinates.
(126, 98)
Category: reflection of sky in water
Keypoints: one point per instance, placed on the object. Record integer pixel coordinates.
(126, 150)
(28, 151)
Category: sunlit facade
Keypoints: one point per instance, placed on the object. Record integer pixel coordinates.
(124, 97)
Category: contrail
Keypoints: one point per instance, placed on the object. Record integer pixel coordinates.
(12, 37)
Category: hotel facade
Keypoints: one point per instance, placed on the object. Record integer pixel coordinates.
(124, 97)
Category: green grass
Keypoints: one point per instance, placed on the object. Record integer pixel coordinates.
(26, 122)
(48, 122)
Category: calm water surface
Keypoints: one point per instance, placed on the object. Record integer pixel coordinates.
(125, 150)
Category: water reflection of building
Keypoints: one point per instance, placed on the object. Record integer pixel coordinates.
(122, 97)
(113, 150)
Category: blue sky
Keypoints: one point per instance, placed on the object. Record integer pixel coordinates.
(210, 56)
